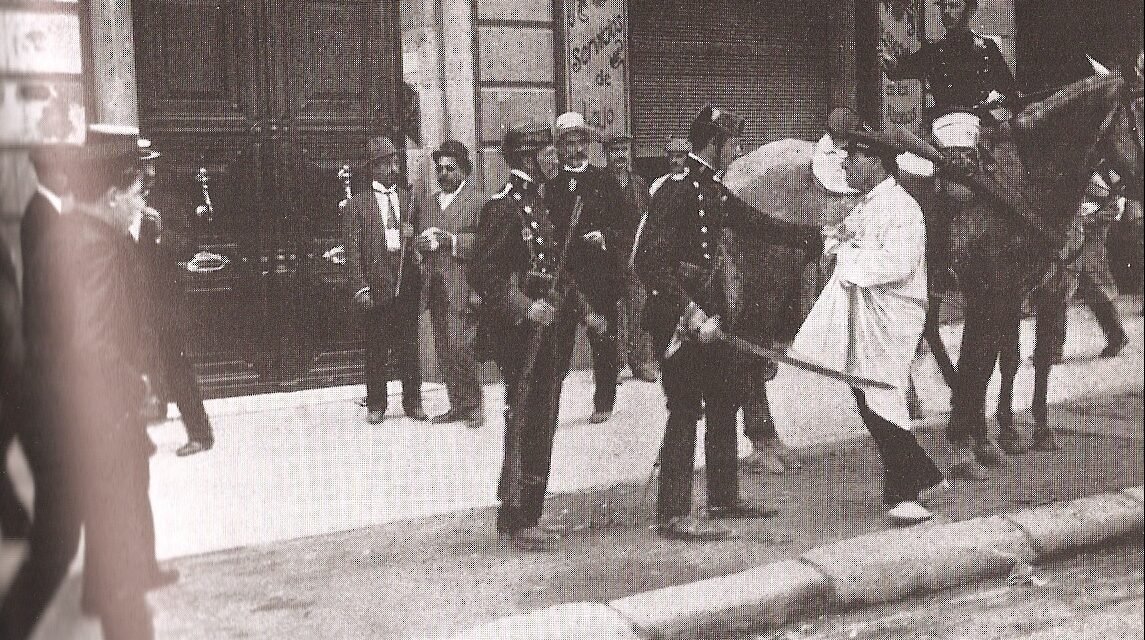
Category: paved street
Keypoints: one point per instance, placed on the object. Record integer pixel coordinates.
(305, 522)
(1094, 595)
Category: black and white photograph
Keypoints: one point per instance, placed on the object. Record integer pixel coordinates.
(572, 320)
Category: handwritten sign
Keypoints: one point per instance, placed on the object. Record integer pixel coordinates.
(596, 37)
(901, 24)
(41, 86)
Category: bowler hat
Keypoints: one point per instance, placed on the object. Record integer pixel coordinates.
(711, 120)
(380, 147)
(525, 137)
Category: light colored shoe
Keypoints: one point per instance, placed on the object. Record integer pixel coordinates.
(928, 495)
(598, 417)
(765, 459)
(909, 512)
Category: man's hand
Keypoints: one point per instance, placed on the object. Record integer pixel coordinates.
(596, 322)
(542, 312)
(363, 300)
(694, 316)
(594, 238)
(888, 62)
(709, 330)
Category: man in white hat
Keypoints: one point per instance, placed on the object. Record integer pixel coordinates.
(607, 221)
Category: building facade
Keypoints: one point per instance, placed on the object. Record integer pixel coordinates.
(261, 108)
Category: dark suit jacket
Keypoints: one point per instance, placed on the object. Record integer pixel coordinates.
(367, 260)
(598, 273)
(39, 217)
(11, 329)
(97, 287)
(446, 268)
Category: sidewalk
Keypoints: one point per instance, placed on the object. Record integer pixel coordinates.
(305, 522)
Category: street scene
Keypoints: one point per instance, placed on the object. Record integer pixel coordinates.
(548, 319)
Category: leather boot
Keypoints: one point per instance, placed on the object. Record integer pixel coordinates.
(1110, 322)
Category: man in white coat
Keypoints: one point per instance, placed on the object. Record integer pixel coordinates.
(869, 318)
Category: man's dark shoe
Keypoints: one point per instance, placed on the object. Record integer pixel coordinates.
(417, 413)
(193, 447)
(741, 509)
(533, 538)
(447, 417)
(694, 529)
(162, 577)
(375, 416)
(1114, 346)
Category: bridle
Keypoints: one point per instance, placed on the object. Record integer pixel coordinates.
(1128, 180)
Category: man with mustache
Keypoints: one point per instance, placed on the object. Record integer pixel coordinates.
(607, 222)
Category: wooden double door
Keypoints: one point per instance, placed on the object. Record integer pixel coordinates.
(264, 101)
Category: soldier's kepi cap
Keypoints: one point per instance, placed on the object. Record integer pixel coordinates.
(526, 137)
(711, 120)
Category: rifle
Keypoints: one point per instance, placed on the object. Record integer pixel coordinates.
(518, 415)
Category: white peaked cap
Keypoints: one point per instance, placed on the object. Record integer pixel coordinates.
(957, 129)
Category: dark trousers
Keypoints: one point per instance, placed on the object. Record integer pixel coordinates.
(758, 424)
(95, 477)
(13, 516)
(605, 364)
(695, 386)
(454, 337)
(538, 411)
(177, 382)
(907, 469)
(392, 328)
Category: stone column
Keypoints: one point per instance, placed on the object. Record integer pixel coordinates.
(113, 63)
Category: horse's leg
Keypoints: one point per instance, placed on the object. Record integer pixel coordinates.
(975, 366)
(1009, 359)
(1049, 338)
(934, 340)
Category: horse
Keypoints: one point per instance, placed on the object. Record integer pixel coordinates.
(1028, 188)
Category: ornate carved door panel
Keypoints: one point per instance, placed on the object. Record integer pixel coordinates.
(271, 98)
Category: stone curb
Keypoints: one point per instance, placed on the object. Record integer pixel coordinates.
(878, 567)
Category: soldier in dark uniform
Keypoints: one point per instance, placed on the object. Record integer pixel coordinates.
(609, 222)
(519, 249)
(678, 258)
(963, 70)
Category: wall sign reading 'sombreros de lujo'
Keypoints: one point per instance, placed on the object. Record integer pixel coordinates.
(596, 46)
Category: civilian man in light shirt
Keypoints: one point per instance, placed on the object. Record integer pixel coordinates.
(870, 316)
(447, 227)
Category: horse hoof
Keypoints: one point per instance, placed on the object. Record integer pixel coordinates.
(968, 470)
(989, 455)
(1010, 442)
(1043, 440)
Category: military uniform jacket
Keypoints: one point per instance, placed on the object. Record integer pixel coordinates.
(599, 271)
(960, 71)
(679, 254)
(514, 238)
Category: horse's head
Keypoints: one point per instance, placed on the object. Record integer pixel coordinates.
(1090, 124)
(1122, 146)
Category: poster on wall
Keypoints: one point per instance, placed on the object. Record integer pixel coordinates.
(901, 24)
(596, 52)
(41, 87)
